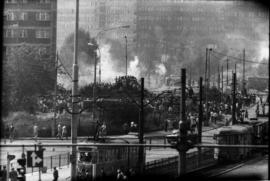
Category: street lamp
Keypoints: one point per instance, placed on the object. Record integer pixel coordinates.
(95, 69)
(126, 54)
(97, 36)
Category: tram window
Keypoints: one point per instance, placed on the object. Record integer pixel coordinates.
(85, 156)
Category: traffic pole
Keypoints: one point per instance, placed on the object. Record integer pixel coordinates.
(141, 130)
(234, 99)
(183, 134)
(74, 117)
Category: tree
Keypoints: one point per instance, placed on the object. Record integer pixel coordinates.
(27, 75)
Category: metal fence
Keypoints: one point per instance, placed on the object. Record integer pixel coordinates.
(49, 162)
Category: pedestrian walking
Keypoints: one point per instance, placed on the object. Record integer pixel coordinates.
(11, 132)
(120, 175)
(55, 174)
(59, 131)
(64, 132)
(4, 173)
(125, 128)
(35, 131)
(13, 175)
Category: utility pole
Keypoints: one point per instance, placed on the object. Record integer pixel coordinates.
(55, 96)
(183, 131)
(218, 79)
(234, 99)
(200, 120)
(99, 68)
(244, 72)
(94, 87)
(222, 81)
(206, 87)
(126, 55)
(75, 115)
(227, 71)
(141, 130)
(209, 67)
(235, 68)
(189, 83)
(205, 71)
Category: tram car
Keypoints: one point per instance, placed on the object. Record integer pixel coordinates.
(260, 131)
(95, 159)
(241, 134)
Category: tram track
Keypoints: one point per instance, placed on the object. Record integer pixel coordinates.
(217, 171)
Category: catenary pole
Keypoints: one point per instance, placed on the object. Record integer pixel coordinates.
(206, 87)
(244, 72)
(234, 99)
(183, 132)
(141, 130)
(200, 119)
(74, 117)
(126, 55)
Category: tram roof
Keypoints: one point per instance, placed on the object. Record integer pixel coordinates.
(235, 129)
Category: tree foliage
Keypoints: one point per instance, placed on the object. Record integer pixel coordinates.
(26, 76)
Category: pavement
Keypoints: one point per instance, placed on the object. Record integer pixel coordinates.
(64, 174)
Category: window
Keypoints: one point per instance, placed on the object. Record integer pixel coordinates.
(10, 16)
(23, 33)
(43, 16)
(9, 33)
(11, 1)
(43, 50)
(42, 34)
(44, 1)
(23, 16)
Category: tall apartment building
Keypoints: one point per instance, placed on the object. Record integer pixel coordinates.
(31, 22)
(96, 16)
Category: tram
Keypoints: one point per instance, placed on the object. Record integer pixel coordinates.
(240, 134)
(95, 159)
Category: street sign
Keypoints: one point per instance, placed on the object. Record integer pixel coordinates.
(34, 158)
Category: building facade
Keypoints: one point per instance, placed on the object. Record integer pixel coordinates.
(98, 17)
(31, 23)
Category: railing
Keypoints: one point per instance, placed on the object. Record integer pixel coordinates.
(49, 162)
(207, 158)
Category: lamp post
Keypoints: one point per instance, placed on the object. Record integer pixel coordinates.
(95, 78)
(97, 36)
(126, 54)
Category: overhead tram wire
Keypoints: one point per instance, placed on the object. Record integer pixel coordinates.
(239, 59)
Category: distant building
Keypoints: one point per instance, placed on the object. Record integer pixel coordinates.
(95, 17)
(33, 23)
(258, 83)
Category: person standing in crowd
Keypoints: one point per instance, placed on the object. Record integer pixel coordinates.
(59, 133)
(11, 132)
(125, 128)
(64, 132)
(55, 174)
(6, 133)
(35, 130)
(13, 175)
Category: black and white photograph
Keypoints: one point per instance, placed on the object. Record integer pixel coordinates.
(125, 90)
